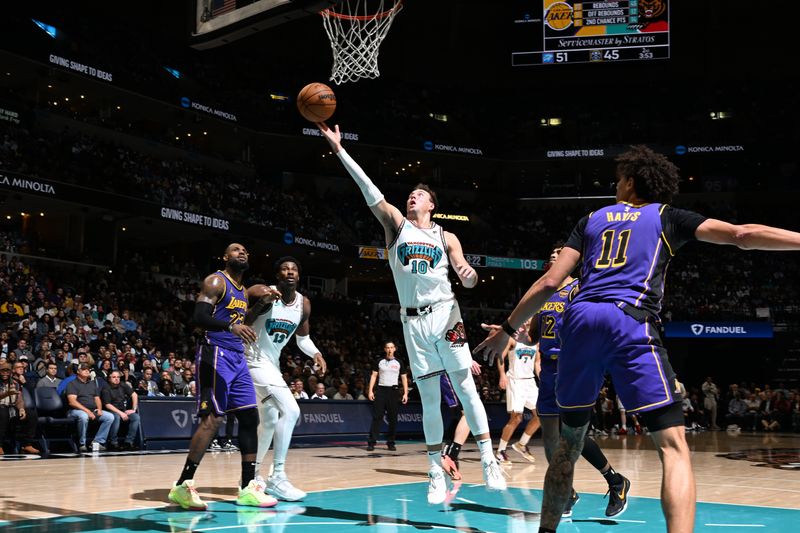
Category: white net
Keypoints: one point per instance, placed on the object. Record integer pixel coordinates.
(356, 29)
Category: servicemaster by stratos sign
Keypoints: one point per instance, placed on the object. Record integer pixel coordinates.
(718, 330)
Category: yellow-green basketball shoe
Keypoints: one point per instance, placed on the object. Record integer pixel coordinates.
(253, 495)
(186, 496)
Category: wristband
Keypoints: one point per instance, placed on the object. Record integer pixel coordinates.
(511, 332)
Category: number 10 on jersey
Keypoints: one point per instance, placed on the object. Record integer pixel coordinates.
(419, 266)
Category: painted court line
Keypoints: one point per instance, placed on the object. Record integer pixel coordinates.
(735, 525)
(401, 499)
(241, 526)
(465, 500)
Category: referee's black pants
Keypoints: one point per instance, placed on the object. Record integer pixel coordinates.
(386, 400)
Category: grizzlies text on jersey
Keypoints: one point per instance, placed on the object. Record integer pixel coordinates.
(274, 329)
(419, 262)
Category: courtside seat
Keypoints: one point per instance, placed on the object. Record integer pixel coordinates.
(54, 424)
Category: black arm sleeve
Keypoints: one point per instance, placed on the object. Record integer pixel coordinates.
(680, 226)
(203, 312)
(575, 240)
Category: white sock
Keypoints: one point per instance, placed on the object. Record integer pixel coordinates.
(502, 446)
(524, 439)
(485, 447)
(435, 459)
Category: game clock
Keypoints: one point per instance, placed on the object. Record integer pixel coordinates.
(548, 32)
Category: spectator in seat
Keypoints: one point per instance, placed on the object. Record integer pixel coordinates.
(319, 394)
(297, 390)
(342, 393)
(13, 414)
(50, 378)
(122, 402)
(166, 388)
(737, 411)
(147, 386)
(83, 399)
(22, 349)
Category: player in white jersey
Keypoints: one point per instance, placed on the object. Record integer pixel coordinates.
(274, 325)
(420, 253)
(521, 392)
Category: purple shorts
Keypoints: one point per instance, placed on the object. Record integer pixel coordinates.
(223, 381)
(546, 404)
(448, 392)
(599, 338)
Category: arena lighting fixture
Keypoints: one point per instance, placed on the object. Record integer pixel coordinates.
(47, 28)
(82, 97)
(124, 228)
(188, 134)
(66, 98)
(550, 122)
(41, 214)
(205, 133)
(174, 72)
(8, 217)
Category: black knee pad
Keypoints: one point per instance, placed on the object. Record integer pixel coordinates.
(248, 418)
(248, 430)
(576, 419)
(664, 417)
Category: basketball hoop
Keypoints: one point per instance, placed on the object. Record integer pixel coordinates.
(356, 32)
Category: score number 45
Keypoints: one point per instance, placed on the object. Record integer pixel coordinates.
(610, 55)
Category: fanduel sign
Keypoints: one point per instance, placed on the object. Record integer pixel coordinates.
(718, 330)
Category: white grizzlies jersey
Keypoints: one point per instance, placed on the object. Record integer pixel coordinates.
(418, 258)
(273, 331)
(520, 361)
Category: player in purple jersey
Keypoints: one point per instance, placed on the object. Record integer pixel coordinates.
(611, 325)
(223, 381)
(545, 327)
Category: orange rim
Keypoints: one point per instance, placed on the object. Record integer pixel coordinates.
(332, 13)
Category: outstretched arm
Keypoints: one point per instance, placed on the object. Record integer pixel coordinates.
(748, 236)
(388, 215)
(533, 300)
(467, 274)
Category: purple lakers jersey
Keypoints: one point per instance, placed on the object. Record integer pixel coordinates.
(625, 250)
(549, 319)
(231, 308)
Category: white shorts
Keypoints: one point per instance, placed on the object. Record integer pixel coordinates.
(436, 341)
(266, 379)
(521, 394)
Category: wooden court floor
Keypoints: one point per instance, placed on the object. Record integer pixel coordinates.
(742, 469)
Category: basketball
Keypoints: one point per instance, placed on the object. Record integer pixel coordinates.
(316, 102)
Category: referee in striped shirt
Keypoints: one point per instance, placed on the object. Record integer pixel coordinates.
(386, 372)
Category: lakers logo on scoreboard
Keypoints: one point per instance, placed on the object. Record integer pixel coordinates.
(652, 8)
(558, 16)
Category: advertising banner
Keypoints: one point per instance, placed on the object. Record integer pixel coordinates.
(719, 330)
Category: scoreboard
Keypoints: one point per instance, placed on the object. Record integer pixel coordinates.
(547, 32)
